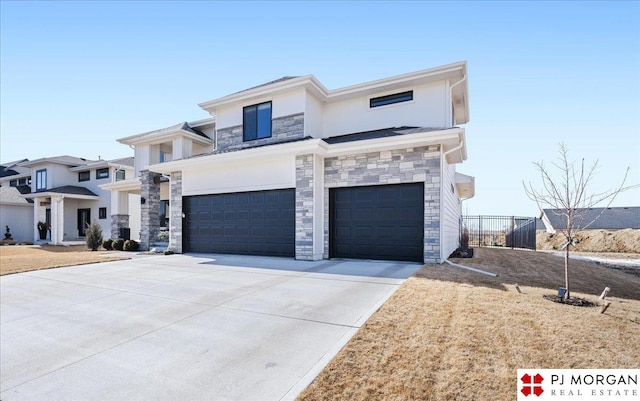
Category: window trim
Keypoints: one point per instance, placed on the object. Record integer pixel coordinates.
(39, 174)
(244, 124)
(87, 174)
(102, 213)
(98, 176)
(386, 100)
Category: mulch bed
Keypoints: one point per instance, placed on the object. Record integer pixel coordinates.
(574, 301)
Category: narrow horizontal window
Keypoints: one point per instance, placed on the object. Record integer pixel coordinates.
(84, 176)
(391, 99)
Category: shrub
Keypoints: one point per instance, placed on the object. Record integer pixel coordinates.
(118, 244)
(131, 245)
(107, 244)
(163, 236)
(168, 251)
(94, 236)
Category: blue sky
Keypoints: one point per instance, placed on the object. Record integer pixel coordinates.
(75, 76)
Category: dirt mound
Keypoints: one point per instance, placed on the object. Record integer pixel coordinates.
(626, 241)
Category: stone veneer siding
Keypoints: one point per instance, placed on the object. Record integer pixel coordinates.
(304, 206)
(175, 220)
(420, 164)
(282, 129)
(150, 210)
(118, 221)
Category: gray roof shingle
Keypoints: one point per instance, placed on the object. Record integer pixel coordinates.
(379, 133)
(13, 195)
(71, 190)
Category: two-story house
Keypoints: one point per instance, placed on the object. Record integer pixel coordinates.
(291, 168)
(64, 192)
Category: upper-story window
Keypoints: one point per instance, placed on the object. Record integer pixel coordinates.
(84, 176)
(391, 99)
(102, 173)
(13, 183)
(41, 180)
(120, 175)
(256, 121)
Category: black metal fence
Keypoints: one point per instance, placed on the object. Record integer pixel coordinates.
(505, 231)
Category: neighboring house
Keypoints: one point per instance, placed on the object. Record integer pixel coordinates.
(62, 191)
(612, 218)
(290, 168)
(16, 212)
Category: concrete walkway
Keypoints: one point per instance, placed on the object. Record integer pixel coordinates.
(183, 327)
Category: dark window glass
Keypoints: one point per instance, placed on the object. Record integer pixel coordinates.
(84, 176)
(120, 175)
(13, 183)
(391, 99)
(41, 180)
(164, 213)
(256, 121)
(102, 173)
(22, 181)
(102, 213)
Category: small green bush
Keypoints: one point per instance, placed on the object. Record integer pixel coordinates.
(94, 236)
(118, 244)
(107, 244)
(168, 251)
(163, 236)
(131, 245)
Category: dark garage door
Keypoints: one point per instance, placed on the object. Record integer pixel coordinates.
(246, 223)
(377, 222)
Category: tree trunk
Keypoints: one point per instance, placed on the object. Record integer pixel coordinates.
(566, 272)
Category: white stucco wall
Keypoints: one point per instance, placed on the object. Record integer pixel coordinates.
(19, 218)
(134, 216)
(282, 104)
(313, 116)
(427, 109)
(261, 174)
(451, 210)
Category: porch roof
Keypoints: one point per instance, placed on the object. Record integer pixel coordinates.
(69, 191)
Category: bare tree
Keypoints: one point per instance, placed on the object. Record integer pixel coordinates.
(566, 192)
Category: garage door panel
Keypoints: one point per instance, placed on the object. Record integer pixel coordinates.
(377, 222)
(252, 223)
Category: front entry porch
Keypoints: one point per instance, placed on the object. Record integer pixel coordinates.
(61, 214)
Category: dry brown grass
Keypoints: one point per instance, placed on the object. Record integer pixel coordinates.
(450, 334)
(18, 259)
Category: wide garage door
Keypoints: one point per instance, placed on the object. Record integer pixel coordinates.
(377, 222)
(246, 223)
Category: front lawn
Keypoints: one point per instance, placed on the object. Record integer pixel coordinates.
(18, 259)
(450, 334)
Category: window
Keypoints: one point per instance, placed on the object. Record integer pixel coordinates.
(256, 121)
(164, 213)
(84, 176)
(102, 213)
(41, 180)
(102, 173)
(391, 99)
(13, 183)
(22, 181)
(120, 175)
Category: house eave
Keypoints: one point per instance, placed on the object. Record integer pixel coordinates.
(152, 138)
(131, 184)
(47, 194)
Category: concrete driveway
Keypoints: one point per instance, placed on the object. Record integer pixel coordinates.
(183, 327)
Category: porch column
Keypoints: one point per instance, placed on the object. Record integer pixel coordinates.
(175, 216)
(57, 220)
(119, 212)
(150, 209)
(309, 207)
(36, 219)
